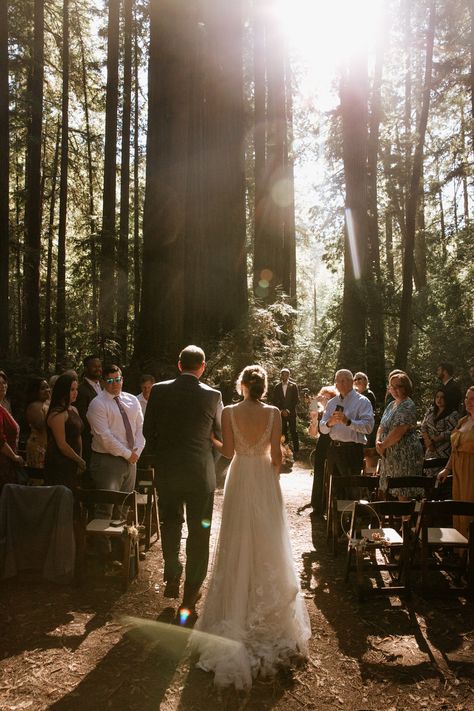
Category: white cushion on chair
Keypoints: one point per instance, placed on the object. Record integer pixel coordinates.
(446, 535)
(102, 525)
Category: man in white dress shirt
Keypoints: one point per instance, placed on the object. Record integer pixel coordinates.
(146, 384)
(116, 422)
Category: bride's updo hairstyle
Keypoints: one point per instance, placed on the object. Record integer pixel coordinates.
(254, 378)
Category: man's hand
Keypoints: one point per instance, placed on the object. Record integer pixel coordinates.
(285, 413)
(337, 418)
(133, 459)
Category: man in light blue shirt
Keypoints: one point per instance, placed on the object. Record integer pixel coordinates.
(348, 419)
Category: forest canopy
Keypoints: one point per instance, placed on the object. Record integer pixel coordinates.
(176, 172)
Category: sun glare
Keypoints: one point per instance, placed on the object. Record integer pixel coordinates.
(322, 33)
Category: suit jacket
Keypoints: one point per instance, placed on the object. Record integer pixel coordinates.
(453, 395)
(85, 395)
(179, 419)
(290, 400)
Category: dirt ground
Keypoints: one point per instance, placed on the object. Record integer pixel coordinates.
(64, 648)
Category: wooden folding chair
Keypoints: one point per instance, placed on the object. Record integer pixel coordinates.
(147, 500)
(125, 528)
(360, 487)
(426, 483)
(375, 544)
(436, 535)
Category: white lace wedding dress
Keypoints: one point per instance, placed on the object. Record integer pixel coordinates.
(254, 619)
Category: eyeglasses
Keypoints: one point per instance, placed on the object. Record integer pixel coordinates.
(117, 379)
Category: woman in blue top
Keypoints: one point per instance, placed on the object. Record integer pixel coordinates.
(397, 442)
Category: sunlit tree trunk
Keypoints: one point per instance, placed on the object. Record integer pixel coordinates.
(405, 329)
(92, 217)
(123, 261)
(108, 237)
(31, 331)
(4, 182)
(172, 49)
(354, 98)
(63, 196)
(375, 324)
(48, 315)
(136, 186)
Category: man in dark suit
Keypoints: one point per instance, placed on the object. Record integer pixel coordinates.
(179, 419)
(286, 398)
(88, 389)
(452, 391)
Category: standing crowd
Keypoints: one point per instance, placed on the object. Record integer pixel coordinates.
(88, 433)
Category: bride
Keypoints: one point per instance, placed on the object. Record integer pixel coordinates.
(254, 616)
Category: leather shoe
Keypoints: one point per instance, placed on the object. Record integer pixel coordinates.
(172, 588)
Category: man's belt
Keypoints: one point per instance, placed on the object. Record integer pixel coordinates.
(337, 443)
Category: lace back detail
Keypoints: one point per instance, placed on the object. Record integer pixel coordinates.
(260, 446)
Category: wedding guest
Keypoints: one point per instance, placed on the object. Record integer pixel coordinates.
(64, 463)
(452, 391)
(438, 423)
(361, 384)
(326, 393)
(461, 461)
(397, 442)
(10, 460)
(4, 401)
(286, 398)
(37, 405)
(89, 388)
(146, 384)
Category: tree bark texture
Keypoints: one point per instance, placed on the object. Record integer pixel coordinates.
(354, 108)
(31, 331)
(63, 197)
(123, 261)
(108, 237)
(4, 183)
(404, 333)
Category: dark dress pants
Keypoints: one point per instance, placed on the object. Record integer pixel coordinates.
(320, 455)
(198, 507)
(289, 423)
(346, 459)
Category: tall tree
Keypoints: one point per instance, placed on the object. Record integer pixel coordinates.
(405, 328)
(31, 332)
(49, 259)
(108, 237)
(354, 110)
(63, 196)
(122, 255)
(172, 50)
(4, 181)
(375, 325)
(136, 182)
(223, 159)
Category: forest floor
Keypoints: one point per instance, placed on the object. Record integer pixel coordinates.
(66, 648)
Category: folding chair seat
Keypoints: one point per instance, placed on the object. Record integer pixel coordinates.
(435, 536)
(360, 487)
(125, 528)
(147, 500)
(376, 544)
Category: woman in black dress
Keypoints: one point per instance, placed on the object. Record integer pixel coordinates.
(64, 462)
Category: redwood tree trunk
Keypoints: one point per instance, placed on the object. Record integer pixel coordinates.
(31, 332)
(404, 333)
(108, 237)
(354, 97)
(122, 261)
(4, 182)
(61, 272)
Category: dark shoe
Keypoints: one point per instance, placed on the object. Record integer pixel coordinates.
(185, 617)
(172, 588)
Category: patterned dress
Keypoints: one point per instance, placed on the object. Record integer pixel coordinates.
(405, 457)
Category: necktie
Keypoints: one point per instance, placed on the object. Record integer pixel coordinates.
(126, 422)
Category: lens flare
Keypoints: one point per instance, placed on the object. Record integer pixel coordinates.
(266, 275)
(206, 523)
(351, 236)
(183, 615)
